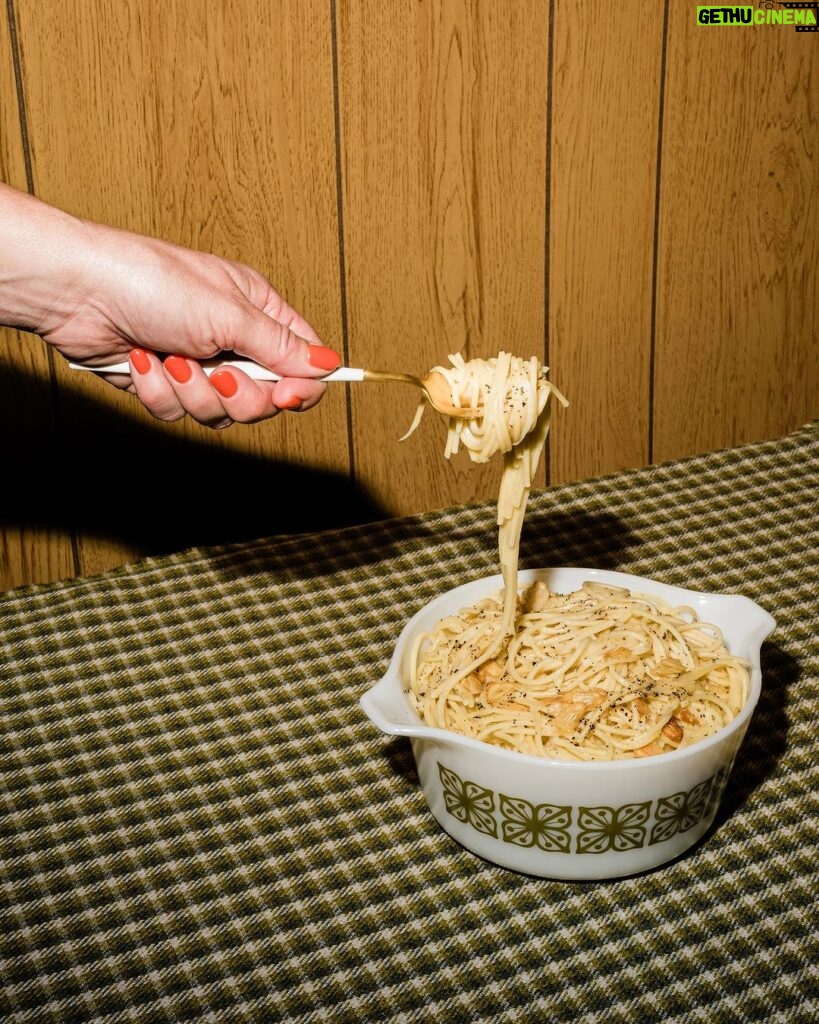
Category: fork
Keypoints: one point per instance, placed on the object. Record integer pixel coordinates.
(434, 386)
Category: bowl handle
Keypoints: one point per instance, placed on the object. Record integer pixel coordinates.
(387, 708)
(760, 622)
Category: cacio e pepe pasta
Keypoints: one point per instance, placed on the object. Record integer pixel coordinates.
(596, 674)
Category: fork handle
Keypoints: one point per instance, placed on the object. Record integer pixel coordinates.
(253, 370)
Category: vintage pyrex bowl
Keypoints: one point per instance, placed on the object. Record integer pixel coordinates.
(572, 820)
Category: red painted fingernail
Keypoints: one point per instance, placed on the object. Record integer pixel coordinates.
(178, 368)
(323, 358)
(140, 361)
(225, 383)
(292, 403)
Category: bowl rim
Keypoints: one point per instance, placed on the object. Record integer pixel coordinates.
(761, 626)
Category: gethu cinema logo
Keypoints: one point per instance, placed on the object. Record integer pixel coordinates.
(797, 14)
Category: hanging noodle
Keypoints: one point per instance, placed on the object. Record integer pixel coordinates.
(600, 673)
(513, 395)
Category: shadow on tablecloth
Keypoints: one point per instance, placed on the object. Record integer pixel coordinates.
(766, 740)
(453, 545)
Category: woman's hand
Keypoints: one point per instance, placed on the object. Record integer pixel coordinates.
(101, 295)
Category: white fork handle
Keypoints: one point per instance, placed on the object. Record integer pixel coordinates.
(253, 370)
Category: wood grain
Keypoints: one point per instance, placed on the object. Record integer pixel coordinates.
(737, 356)
(680, 319)
(32, 549)
(212, 126)
(603, 172)
(443, 144)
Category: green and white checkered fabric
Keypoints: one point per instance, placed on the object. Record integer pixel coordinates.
(199, 823)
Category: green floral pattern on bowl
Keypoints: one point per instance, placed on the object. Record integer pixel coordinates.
(599, 829)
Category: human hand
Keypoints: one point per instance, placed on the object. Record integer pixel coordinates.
(99, 295)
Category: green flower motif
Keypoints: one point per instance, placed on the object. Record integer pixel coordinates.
(612, 828)
(468, 802)
(680, 812)
(543, 825)
(600, 829)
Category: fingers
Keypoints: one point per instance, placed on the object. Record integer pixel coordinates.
(257, 324)
(263, 296)
(247, 401)
(180, 387)
(298, 395)
(279, 310)
(194, 393)
(265, 328)
(152, 387)
(277, 346)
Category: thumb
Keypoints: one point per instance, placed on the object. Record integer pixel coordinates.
(261, 338)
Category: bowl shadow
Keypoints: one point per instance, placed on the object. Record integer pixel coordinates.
(766, 739)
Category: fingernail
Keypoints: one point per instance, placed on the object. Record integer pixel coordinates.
(178, 368)
(323, 358)
(225, 383)
(292, 403)
(140, 361)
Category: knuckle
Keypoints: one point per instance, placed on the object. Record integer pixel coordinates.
(167, 415)
(289, 345)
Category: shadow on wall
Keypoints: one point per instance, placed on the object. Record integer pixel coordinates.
(108, 476)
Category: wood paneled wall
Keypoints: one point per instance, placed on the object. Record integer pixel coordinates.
(630, 196)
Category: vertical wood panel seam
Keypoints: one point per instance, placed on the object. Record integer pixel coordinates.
(655, 259)
(24, 138)
(547, 212)
(342, 262)
(21, 103)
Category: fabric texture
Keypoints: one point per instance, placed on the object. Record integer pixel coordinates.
(199, 823)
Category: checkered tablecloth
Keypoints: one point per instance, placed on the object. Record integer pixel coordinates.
(198, 822)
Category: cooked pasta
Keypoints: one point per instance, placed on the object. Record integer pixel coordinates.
(513, 397)
(597, 674)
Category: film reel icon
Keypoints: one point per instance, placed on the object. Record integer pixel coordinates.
(790, 5)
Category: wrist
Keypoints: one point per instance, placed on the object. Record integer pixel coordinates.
(43, 262)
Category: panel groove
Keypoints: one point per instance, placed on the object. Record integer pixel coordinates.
(656, 240)
(342, 263)
(21, 100)
(547, 217)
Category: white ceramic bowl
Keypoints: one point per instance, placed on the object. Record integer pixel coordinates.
(572, 820)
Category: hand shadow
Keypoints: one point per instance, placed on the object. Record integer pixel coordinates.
(101, 473)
